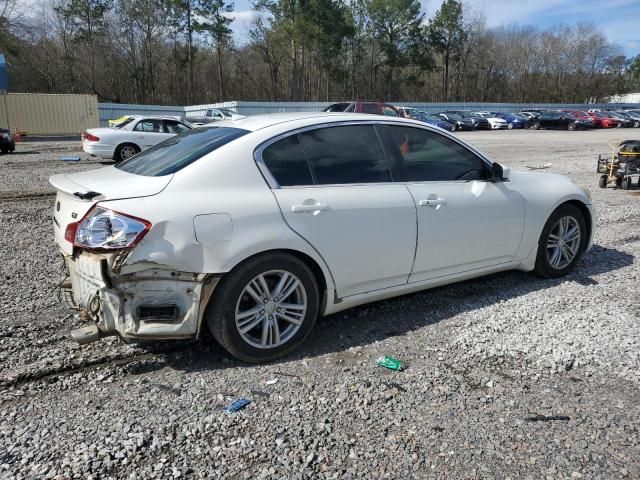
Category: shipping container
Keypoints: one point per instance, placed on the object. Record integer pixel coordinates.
(48, 114)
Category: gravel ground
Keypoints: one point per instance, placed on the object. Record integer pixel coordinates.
(509, 376)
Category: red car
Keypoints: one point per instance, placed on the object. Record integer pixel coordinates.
(596, 121)
(605, 121)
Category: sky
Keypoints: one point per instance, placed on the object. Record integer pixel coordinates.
(619, 20)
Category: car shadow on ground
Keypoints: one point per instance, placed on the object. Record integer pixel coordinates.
(399, 316)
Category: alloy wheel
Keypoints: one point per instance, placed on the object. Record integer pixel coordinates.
(127, 152)
(271, 309)
(563, 243)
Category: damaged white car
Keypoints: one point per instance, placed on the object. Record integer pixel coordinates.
(253, 228)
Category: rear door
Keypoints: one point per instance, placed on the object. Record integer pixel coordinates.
(150, 131)
(335, 189)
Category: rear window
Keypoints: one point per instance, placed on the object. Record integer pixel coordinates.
(177, 152)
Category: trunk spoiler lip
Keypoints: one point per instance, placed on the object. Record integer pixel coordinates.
(64, 184)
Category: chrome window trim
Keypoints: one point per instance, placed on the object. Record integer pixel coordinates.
(273, 184)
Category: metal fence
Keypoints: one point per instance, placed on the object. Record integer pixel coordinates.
(114, 110)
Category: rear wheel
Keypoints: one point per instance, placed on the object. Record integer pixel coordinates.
(125, 152)
(562, 242)
(510, 125)
(265, 308)
(619, 125)
(636, 124)
(603, 181)
(571, 127)
(536, 126)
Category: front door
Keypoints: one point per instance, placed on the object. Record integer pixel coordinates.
(465, 222)
(336, 191)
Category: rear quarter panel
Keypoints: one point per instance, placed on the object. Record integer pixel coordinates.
(227, 182)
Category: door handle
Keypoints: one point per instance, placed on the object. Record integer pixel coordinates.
(432, 202)
(313, 207)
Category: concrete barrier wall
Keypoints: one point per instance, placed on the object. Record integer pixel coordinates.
(46, 114)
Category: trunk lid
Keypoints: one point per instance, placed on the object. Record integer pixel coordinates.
(78, 192)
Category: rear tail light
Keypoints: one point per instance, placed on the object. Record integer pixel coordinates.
(106, 229)
(70, 232)
(89, 137)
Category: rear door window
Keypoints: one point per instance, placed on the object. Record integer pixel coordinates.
(149, 126)
(346, 154)
(286, 161)
(429, 156)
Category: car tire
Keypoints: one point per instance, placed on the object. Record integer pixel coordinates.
(626, 183)
(227, 313)
(561, 225)
(454, 127)
(510, 125)
(636, 124)
(125, 152)
(602, 183)
(618, 181)
(619, 125)
(536, 126)
(571, 127)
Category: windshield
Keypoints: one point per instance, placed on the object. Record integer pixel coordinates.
(226, 112)
(177, 152)
(567, 115)
(454, 116)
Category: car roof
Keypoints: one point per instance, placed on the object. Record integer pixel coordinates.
(258, 122)
(153, 117)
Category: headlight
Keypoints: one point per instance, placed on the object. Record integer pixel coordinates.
(105, 229)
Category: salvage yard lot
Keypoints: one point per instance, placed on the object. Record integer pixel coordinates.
(509, 376)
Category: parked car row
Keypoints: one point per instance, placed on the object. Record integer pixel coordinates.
(132, 134)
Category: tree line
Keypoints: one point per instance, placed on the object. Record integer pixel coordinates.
(183, 52)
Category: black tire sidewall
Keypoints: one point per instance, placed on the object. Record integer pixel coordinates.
(543, 268)
(220, 315)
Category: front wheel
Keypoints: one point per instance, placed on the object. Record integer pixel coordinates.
(562, 242)
(510, 125)
(536, 126)
(571, 127)
(265, 308)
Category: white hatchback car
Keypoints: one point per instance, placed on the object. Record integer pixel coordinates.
(254, 228)
(135, 134)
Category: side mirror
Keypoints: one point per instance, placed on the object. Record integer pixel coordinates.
(499, 173)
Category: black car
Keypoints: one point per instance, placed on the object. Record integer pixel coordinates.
(7, 143)
(479, 122)
(560, 121)
(337, 107)
(626, 119)
(457, 121)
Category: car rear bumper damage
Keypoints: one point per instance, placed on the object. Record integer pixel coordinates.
(143, 301)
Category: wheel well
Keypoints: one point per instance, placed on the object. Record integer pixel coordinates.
(587, 216)
(304, 258)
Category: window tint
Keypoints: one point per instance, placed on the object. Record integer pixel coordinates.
(175, 127)
(346, 154)
(151, 126)
(369, 108)
(286, 161)
(177, 152)
(428, 156)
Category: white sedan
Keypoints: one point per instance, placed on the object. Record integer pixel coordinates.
(256, 227)
(496, 123)
(133, 135)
